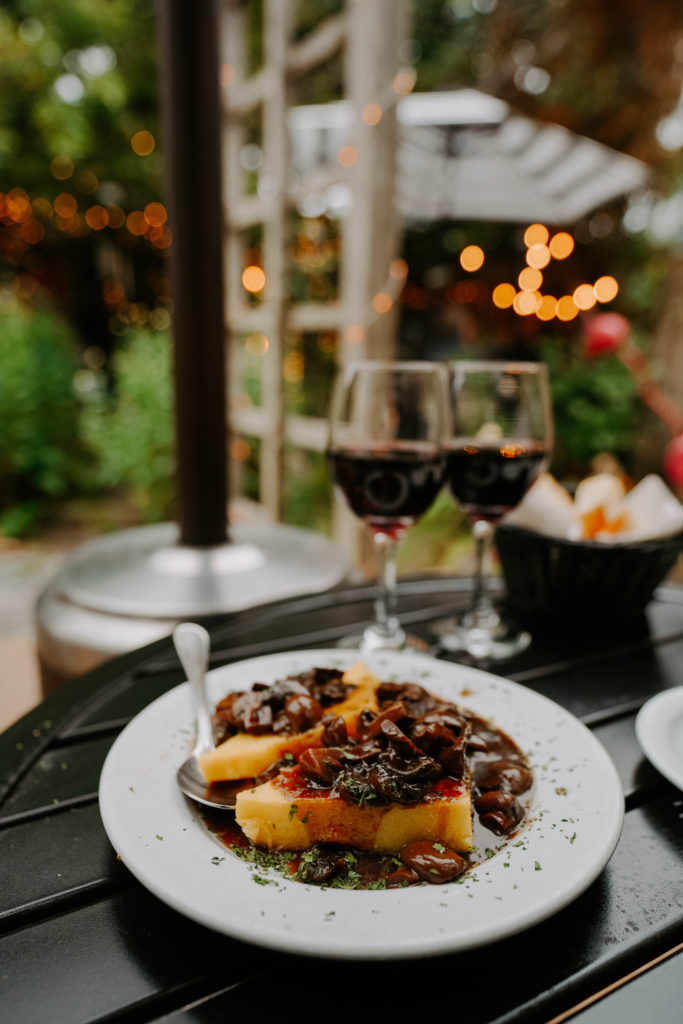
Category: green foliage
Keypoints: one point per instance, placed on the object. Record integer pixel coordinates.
(131, 435)
(110, 49)
(40, 458)
(596, 406)
(307, 490)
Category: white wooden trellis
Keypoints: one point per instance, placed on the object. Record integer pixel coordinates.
(368, 34)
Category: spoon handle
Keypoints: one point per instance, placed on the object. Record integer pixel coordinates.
(192, 646)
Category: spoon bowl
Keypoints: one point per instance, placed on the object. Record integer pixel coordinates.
(192, 643)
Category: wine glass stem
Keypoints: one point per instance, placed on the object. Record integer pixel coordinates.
(386, 621)
(483, 532)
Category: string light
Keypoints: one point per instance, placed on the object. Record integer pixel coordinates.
(253, 279)
(143, 143)
(526, 303)
(404, 81)
(472, 258)
(228, 75)
(256, 344)
(382, 302)
(538, 256)
(547, 308)
(117, 216)
(503, 295)
(371, 113)
(398, 270)
(96, 217)
(155, 214)
(347, 156)
(293, 367)
(605, 288)
(136, 223)
(584, 297)
(240, 450)
(61, 167)
(354, 334)
(566, 308)
(530, 279)
(561, 245)
(536, 234)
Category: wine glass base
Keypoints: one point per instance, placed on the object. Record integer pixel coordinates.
(371, 640)
(504, 640)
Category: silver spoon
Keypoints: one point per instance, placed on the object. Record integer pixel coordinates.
(192, 646)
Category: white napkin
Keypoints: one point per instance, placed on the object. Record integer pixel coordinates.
(602, 510)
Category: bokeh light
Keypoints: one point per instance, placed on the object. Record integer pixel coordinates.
(136, 223)
(372, 113)
(96, 218)
(347, 156)
(155, 214)
(547, 308)
(354, 334)
(240, 450)
(293, 367)
(530, 279)
(253, 278)
(404, 81)
(526, 303)
(398, 270)
(61, 167)
(472, 258)
(584, 296)
(561, 245)
(538, 256)
(382, 302)
(504, 295)
(566, 308)
(143, 143)
(605, 288)
(256, 344)
(536, 234)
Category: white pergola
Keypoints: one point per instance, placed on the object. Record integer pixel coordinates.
(366, 36)
(457, 155)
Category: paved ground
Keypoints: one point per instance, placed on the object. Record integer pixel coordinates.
(24, 571)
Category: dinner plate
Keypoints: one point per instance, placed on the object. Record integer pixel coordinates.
(659, 728)
(572, 826)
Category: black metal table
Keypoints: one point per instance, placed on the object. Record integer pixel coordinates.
(82, 941)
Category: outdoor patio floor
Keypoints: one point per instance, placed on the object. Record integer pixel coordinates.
(24, 571)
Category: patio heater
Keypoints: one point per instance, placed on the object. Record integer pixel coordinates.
(128, 588)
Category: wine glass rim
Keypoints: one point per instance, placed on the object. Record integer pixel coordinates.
(503, 365)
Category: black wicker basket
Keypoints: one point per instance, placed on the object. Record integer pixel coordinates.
(553, 582)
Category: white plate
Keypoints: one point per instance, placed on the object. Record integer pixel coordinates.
(574, 823)
(659, 728)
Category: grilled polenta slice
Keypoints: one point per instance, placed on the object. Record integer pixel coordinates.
(245, 756)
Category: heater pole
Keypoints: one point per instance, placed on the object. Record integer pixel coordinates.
(190, 108)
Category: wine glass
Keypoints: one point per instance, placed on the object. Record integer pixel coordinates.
(388, 422)
(502, 438)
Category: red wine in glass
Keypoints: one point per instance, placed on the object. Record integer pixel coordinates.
(388, 486)
(488, 479)
(388, 422)
(501, 440)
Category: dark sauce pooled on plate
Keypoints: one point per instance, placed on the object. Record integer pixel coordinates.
(413, 749)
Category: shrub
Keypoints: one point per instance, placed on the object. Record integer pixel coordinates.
(596, 408)
(131, 432)
(40, 457)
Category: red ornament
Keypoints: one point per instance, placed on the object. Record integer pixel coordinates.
(673, 461)
(604, 333)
